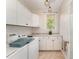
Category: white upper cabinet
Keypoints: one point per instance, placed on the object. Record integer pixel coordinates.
(11, 12)
(18, 14)
(35, 20)
(23, 15)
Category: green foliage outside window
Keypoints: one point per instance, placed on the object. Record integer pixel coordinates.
(50, 22)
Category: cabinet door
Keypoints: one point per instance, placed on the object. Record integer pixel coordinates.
(23, 15)
(43, 43)
(29, 17)
(50, 43)
(57, 44)
(10, 11)
(21, 54)
(35, 19)
(33, 49)
(20, 14)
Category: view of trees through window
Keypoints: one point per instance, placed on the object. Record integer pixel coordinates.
(50, 22)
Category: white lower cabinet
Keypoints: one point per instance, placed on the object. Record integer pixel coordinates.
(21, 54)
(58, 43)
(30, 51)
(43, 43)
(33, 50)
(50, 43)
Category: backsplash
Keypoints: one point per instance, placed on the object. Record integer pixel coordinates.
(10, 29)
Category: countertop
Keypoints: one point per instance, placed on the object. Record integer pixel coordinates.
(44, 35)
(11, 50)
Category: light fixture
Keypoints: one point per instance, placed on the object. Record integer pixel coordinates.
(49, 9)
(46, 2)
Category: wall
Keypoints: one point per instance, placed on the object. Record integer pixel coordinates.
(64, 20)
(66, 29)
(43, 24)
(17, 30)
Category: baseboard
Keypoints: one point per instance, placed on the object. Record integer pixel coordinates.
(49, 50)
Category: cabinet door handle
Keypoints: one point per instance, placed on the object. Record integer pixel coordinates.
(26, 24)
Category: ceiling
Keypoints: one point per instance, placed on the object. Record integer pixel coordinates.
(38, 6)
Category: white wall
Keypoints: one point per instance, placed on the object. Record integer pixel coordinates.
(66, 29)
(64, 20)
(43, 25)
(17, 30)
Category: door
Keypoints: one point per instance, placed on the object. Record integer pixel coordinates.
(33, 48)
(11, 12)
(57, 43)
(23, 15)
(35, 20)
(21, 54)
(50, 43)
(20, 14)
(43, 43)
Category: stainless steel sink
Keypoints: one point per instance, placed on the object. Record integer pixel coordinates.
(21, 42)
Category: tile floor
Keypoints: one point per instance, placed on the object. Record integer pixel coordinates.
(51, 55)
